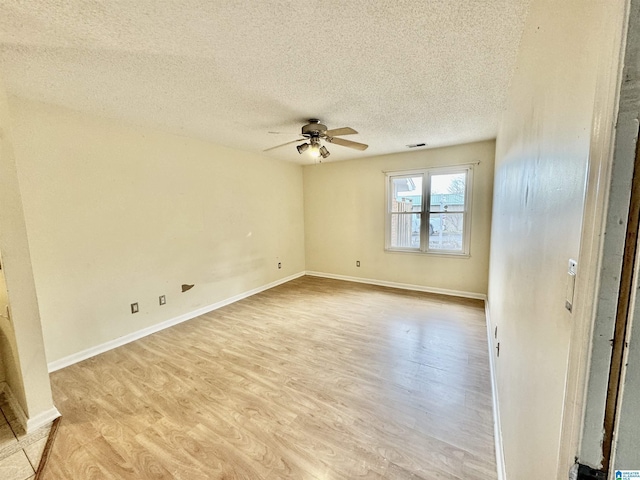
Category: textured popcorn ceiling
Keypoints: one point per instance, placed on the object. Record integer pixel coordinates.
(400, 72)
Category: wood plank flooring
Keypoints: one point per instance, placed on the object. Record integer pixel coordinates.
(316, 379)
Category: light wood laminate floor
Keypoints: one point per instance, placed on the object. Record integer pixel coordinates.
(316, 379)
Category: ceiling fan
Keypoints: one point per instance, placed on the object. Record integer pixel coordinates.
(314, 131)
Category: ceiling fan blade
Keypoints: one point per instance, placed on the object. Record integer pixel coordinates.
(282, 145)
(347, 143)
(336, 132)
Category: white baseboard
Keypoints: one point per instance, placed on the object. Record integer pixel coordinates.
(404, 286)
(29, 424)
(497, 428)
(42, 419)
(105, 347)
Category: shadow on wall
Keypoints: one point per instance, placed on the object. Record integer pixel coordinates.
(4, 348)
(6, 330)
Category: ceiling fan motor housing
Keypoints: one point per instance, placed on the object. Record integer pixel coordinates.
(314, 128)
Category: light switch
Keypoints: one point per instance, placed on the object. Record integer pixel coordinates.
(571, 284)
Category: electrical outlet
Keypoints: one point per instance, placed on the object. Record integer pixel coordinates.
(279, 264)
(357, 263)
(134, 308)
(163, 299)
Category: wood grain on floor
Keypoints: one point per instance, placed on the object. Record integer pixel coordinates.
(314, 379)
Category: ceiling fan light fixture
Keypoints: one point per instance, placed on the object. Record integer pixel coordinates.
(302, 148)
(315, 149)
(324, 152)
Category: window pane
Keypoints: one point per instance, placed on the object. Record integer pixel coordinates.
(405, 230)
(407, 194)
(447, 192)
(446, 231)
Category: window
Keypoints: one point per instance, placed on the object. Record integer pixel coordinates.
(428, 210)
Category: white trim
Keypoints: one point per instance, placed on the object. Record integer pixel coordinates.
(29, 424)
(419, 170)
(403, 286)
(118, 342)
(497, 427)
(42, 419)
(444, 253)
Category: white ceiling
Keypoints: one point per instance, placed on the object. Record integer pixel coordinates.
(399, 72)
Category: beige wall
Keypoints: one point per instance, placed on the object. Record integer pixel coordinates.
(117, 214)
(345, 217)
(22, 342)
(4, 299)
(542, 158)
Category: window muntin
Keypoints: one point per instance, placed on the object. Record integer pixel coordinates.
(428, 210)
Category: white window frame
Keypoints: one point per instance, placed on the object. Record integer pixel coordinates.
(426, 174)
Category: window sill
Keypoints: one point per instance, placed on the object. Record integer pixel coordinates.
(430, 254)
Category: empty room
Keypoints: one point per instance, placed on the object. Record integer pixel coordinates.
(338, 240)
